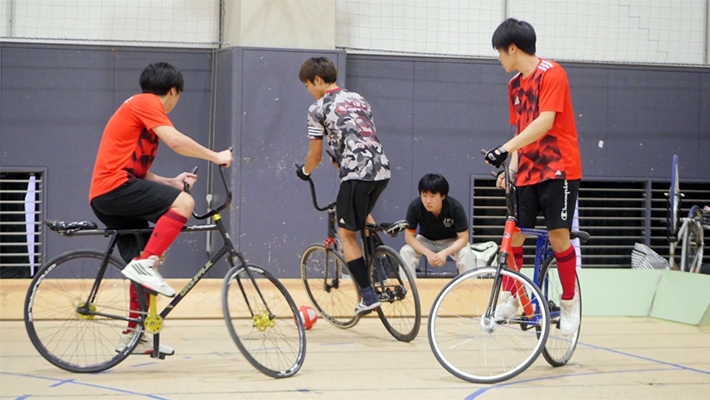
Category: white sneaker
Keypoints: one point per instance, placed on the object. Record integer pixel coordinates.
(507, 307)
(569, 315)
(145, 344)
(143, 273)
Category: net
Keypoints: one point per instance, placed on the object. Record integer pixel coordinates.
(185, 23)
(617, 31)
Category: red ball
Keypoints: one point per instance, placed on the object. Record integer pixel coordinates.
(309, 316)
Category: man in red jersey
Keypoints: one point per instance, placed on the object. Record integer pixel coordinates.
(545, 162)
(124, 193)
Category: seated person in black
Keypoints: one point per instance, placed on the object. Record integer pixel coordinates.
(442, 227)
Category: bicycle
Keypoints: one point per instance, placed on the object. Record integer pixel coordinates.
(77, 305)
(335, 294)
(690, 234)
(462, 320)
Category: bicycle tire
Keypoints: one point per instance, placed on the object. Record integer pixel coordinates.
(263, 320)
(692, 250)
(61, 334)
(558, 348)
(334, 300)
(401, 311)
(460, 335)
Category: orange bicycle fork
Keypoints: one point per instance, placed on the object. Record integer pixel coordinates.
(505, 258)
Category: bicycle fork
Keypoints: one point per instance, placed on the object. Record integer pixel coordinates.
(505, 259)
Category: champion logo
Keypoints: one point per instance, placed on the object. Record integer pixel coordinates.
(342, 221)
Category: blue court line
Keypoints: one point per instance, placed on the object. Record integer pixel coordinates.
(142, 365)
(653, 360)
(497, 386)
(60, 382)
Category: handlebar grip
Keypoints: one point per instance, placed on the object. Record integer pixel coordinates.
(186, 187)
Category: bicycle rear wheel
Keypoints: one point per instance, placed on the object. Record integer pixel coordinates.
(263, 320)
(401, 311)
(558, 348)
(330, 286)
(476, 348)
(692, 251)
(65, 330)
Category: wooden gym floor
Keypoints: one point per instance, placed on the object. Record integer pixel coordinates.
(617, 358)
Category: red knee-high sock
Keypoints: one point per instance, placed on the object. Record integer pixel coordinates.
(135, 306)
(567, 268)
(508, 284)
(166, 230)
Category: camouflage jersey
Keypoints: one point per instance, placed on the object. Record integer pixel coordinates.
(346, 118)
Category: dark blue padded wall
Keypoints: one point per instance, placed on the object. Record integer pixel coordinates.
(387, 85)
(431, 114)
(273, 220)
(653, 114)
(55, 103)
(631, 120)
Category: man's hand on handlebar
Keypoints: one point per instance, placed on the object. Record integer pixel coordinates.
(184, 179)
(496, 157)
(224, 157)
(301, 173)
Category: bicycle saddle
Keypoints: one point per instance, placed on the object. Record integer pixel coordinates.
(581, 235)
(69, 227)
(393, 228)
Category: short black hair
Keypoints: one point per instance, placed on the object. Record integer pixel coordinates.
(318, 66)
(160, 77)
(519, 33)
(434, 183)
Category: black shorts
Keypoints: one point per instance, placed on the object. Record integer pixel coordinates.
(131, 206)
(555, 199)
(356, 199)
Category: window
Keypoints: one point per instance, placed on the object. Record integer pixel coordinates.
(616, 215)
(20, 223)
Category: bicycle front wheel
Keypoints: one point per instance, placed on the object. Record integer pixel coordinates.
(263, 321)
(68, 325)
(401, 311)
(558, 348)
(330, 286)
(467, 340)
(692, 251)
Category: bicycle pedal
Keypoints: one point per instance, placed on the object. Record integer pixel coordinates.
(161, 356)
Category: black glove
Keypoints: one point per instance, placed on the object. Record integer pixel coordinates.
(496, 156)
(301, 173)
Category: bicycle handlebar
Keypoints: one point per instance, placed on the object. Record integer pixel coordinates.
(315, 200)
(510, 200)
(224, 205)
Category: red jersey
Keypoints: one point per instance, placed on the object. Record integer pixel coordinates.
(128, 144)
(556, 154)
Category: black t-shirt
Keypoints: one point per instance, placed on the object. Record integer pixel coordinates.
(446, 225)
